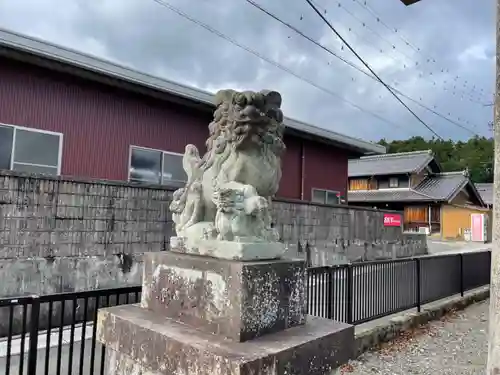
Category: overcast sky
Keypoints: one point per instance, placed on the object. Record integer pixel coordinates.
(442, 54)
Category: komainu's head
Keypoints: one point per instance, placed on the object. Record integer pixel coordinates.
(247, 119)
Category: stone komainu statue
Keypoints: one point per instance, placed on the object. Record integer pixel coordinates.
(228, 193)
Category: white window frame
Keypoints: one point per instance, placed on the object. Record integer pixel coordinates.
(150, 149)
(12, 151)
(392, 179)
(336, 193)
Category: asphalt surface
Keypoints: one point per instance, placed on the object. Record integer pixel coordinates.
(454, 247)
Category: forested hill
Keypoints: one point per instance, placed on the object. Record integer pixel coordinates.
(476, 154)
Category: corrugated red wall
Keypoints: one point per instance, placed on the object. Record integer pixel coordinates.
(325, 168)
(291, 169)
(100, 123)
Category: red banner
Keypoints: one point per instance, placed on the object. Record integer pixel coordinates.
(392, 220)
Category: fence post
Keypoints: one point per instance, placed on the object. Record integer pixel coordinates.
(33, 334)
(349, 304)
(308, 255)
(329, 294)
(462, 281)
(308, 293)
(419, 280)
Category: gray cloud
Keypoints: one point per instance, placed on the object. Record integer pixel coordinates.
(458, 34)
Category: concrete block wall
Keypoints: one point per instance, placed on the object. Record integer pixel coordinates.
(342, 234)
(62, 234)
(59, 235)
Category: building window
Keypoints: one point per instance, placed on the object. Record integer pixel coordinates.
(156, 166)
(393, 182)
(30, 150)
(325, 196)
(357, 184)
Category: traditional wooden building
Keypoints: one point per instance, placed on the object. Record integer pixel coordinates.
(486, 192)
(413, 182)
(66, 113)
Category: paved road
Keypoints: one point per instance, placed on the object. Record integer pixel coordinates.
(456, 345)
(453, 247)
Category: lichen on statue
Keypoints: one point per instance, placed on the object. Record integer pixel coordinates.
(228, 192)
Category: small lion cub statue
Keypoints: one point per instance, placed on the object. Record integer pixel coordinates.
(242, 215)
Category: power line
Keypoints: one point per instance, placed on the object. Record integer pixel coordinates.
(422, 74)
(429, 59)
(270, 61)
(370, 10)
(453, 83)
(392, 45)
(370, 69)
(369, 43)
(418, 50)
(354, 66)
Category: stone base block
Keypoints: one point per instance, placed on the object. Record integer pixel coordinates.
(238, 300)
(140, 342)
(229, 249)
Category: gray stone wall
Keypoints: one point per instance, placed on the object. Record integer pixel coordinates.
(342, 234)
(60, 235)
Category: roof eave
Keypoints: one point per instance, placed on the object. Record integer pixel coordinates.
(397, 200)
(81, 71)
(456, 191)
(424, 198)
(40, 53)
(418, 169)
(340, 140)
(379, 174)
(480, 198)
(424, 165)
(466, 183)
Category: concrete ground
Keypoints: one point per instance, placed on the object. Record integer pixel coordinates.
(454, 247)
(454, 345)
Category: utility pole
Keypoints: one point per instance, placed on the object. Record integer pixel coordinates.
(493, 366)
(494, 320)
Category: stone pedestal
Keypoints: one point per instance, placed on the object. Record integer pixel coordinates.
(202, 315)
(236, 300)
(228, 249)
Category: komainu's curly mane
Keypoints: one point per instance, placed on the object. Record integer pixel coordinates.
(244, 146)
(247, 119)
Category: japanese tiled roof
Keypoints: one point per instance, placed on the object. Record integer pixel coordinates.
(405, 162)
(486, 192)
(439, 187)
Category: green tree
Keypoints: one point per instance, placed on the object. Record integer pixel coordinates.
(475, 155)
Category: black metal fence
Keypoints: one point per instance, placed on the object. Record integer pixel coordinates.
(360, 292)
(56, 334)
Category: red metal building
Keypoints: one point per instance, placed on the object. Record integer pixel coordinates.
(63, 112)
